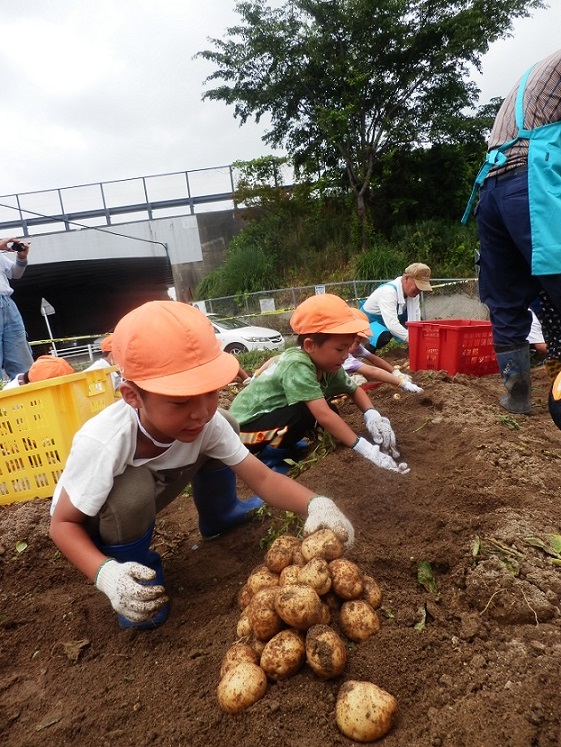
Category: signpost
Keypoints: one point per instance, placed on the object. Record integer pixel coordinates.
(46, 311)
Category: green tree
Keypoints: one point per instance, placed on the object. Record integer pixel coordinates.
(345, 81)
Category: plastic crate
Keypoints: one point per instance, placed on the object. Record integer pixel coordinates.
(452, 345)
(37, 425)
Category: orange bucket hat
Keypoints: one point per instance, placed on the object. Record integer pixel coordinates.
(170, 348)
(327, 313)
(106, 345)
(48, 367)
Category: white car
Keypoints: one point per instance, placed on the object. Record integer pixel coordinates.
(238, 337)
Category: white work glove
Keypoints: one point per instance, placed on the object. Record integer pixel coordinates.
(400, 375)
(380, 429)
(408, 386)
(324, 514)
(129, 597)
(373, 454)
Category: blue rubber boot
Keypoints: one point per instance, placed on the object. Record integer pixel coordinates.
(274, 458)
(514, 364)
(139, 552)
(214, 495)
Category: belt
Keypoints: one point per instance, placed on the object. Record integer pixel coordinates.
(510, 173)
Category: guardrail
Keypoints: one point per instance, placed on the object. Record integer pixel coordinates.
(142, 197)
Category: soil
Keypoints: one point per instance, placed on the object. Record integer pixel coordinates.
(475, 662)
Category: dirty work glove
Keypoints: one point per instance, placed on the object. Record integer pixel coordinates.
(129, 597)
(324, 514)
(400, 375)
(408, 386)
(392, 449)
(379, 428)
(373, 454)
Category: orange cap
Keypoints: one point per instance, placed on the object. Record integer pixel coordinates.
(106, 344)
(48, 367)
(358, 314)
(326, 313)
(169, 347)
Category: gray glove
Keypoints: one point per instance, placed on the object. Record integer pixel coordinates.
(129, 597)
(324, 514)
(380, 429)
(373, 454)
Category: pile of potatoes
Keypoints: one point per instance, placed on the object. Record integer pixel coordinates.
(289, 607)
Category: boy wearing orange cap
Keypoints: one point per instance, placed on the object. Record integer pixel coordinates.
(134, 457)
(291, 395)
(106, 360)
(45, 367)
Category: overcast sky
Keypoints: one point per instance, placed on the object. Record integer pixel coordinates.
(96, 90)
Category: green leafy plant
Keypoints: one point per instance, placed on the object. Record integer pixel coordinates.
(425, 576)
(509, 421)
(551, 547)
(286, 522)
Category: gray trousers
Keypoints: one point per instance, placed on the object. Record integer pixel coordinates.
(138, 494)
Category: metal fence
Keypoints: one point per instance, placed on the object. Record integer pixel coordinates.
(451, 298)
(121, 201)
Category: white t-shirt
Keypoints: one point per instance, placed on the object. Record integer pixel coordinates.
(387, 301)
(104, 363)
(13, 383)
(105, 445)
(536, 334)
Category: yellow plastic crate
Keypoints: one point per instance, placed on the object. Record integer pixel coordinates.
(37, 425)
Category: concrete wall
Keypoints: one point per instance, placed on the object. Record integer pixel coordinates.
(215, 230)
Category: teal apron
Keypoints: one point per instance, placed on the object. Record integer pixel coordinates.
(544, 186)
(377, 326)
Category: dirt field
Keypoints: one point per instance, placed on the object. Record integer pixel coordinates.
(483, 671)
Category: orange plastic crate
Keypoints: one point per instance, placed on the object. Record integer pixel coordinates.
(452, 345)
(37, 425)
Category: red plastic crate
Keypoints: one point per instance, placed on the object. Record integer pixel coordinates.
(452, 345)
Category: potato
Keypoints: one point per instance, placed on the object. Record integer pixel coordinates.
(297, 557)
(325, 616)
(244, 597)
(298, 605)
(372, 593)
(358, 620)
(277, 558)
(244, 626)
(322, 544)
(236, 654)
(287, 540)
(363, 711)
(347, 578)
(255, 643)
(283, 655)
(289, 575)
(325, 652)
(281, 552)
(262, 578)
(263, 618)
(241, 687)
(316, 574)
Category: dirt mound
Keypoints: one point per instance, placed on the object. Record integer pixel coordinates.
(476, 661)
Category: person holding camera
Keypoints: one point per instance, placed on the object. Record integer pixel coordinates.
(15, 353)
